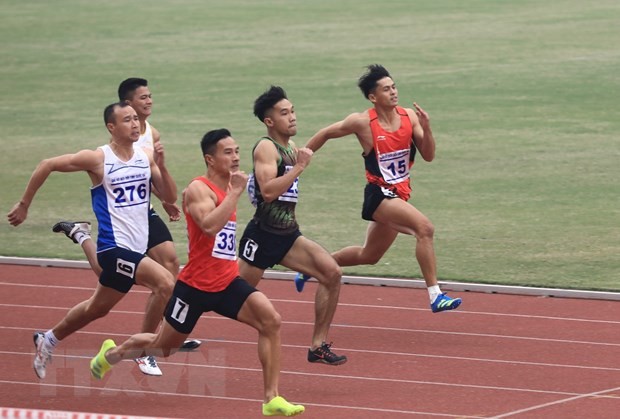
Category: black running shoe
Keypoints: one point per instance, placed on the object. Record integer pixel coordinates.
(70, 228)
(190, 345)
(324, 354)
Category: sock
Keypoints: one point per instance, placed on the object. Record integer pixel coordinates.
(80, 236)
(434, 292)
(50, 339)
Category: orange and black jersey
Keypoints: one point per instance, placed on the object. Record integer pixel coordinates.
(388, 164)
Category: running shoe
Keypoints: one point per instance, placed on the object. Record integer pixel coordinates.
(43, 354)
(148, 365)
(190, 344)
(324, 354)
(99, 365)
(300, 281)
(444, 303)
(278, 406)
(71, 228)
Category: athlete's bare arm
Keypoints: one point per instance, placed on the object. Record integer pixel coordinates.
(160, 177)
(201, 203)
(90, 161)
(422, 133)
(266, 169)
(355, 123)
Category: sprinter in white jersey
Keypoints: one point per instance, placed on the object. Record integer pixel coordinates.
(121, 178)
(119, 202)
(146, 138)
(135, 92)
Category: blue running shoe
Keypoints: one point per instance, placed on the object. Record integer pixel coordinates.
(300, 281)
(444, 303)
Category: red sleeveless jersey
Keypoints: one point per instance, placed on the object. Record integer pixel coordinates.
(392, 156)
(212, 262)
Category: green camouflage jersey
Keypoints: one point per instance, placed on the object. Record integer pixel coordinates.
(277, 216)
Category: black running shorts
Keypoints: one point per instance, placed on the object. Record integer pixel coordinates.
(263, 249)
(373, 196)
(158, 230)
(188, 303)
(119, 267)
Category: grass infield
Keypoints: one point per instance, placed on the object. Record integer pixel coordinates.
(522, 97)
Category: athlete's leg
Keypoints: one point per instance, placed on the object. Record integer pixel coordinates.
(97, 306)
(90, 250)
(79, 232)
(379, 238)
(166, 255)
(251, 274)
(309, 257)
(165, 343)
(160, 249)
(156, 278)
(258, 312)
(405, 218)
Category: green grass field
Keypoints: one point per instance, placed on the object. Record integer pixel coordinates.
(522, 96)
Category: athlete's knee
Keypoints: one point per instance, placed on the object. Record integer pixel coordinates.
(164, 286)
(172, 265)
(425, 231)
(170, 261)
(332, 276)
(271, 322)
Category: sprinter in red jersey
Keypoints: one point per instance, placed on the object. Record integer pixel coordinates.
(210, 281)
(390, 136)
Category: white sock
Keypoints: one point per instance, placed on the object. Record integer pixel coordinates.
(50, 339)
(80, 236)
(434, 292)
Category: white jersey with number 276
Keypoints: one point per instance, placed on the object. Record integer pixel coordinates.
(121, 202)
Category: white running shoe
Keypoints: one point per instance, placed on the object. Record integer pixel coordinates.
(42, 356)
(148, 365)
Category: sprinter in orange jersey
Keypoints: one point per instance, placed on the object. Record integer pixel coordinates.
(210, 281)
(390, 136)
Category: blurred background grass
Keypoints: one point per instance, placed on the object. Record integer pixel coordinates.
(522, 97)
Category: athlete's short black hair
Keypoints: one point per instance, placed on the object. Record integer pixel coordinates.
(127, 87)
(211, 138)
(108, 112)
(268, 100)
(368, 82)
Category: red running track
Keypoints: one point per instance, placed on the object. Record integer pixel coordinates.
(496, 356)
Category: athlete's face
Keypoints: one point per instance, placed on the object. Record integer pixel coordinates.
(126, 125)
(142, 101)
(226, 156)
(282, 119)
(385, 94)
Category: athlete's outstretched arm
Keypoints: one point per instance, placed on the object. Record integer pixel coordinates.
(85, 160)
(348, 126)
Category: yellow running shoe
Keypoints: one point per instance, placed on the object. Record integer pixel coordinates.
(99, 365)
(278, 406)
